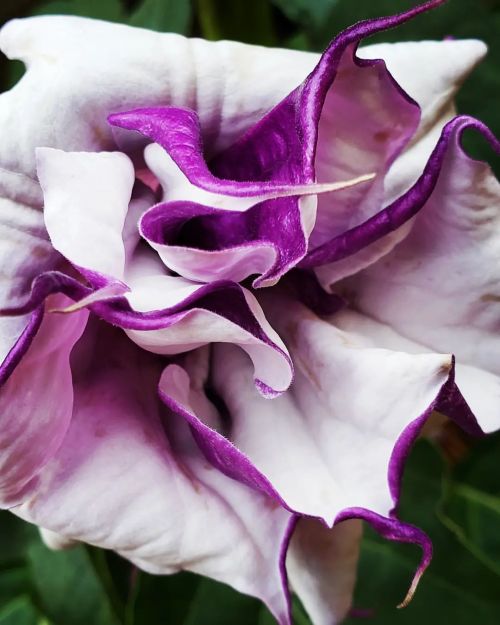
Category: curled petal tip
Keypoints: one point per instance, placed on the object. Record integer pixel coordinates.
(414, 585)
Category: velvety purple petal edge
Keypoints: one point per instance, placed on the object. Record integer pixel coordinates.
(396, 530)
(211, 297)
(21, 346)
(406, 206)
(151, 230)
(228, 459)
(450, 402)
(311, 95)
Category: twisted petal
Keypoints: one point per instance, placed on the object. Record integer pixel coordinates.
(162, 313)
(135, 468)
(440, 286)
(303, 448)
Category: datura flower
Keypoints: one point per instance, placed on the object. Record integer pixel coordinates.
(243, 298)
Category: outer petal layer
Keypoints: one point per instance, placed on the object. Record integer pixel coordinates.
(129, 477)
(36, 400)
(440, 286)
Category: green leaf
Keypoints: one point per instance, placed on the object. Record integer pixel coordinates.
(98, 9)
(20, 611)
(68, 587)
(456, 588)
(163, 15)
(250, 22)
(15, 538)
(157, 600)
(217, 604)
(471, 503)
(306, 12)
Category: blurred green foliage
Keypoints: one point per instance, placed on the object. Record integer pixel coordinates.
(458, 506)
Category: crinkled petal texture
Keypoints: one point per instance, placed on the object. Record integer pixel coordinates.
(350, 398)
(76, 91)
(157, 438)
(338, 133)
(162, 313)
(440, 286)
(128, 476)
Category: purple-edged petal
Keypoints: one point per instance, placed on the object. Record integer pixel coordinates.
(440, 286)
(255, 225)
(35, 399)
(434, 92)
(349, 118)
(135, 468)
(349, 394)
(87, 197)
(189, 315)
(303, 448)
(192, 315)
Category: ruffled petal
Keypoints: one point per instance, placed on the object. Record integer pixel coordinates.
(134, 468)
(165, 314)
(303, 448)
(245, 216)
(440, 286)
(434, 92)
(188, 316)
(35, 399)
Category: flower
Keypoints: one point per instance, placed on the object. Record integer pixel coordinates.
(248, 300)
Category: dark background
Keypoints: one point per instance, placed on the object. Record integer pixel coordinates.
(452, 487)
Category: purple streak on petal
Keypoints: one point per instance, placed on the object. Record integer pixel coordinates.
(21, 346)
(395, 530)
(405, 207)
(449, 401)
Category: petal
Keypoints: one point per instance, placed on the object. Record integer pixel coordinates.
(86, 199)
(337, 126)
(321, 566)
(434, 92)
(439, 287)
(29, 387)
(325, 415)
(451, 61)
(77, 91)
(298, 448)
(258, 219)
(189, 315)
(169, 315)
(135, 467)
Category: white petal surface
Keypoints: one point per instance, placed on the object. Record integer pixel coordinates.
(86, 199)
(349, 399)
(321, 565)
(440, 286)
(129, 477)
